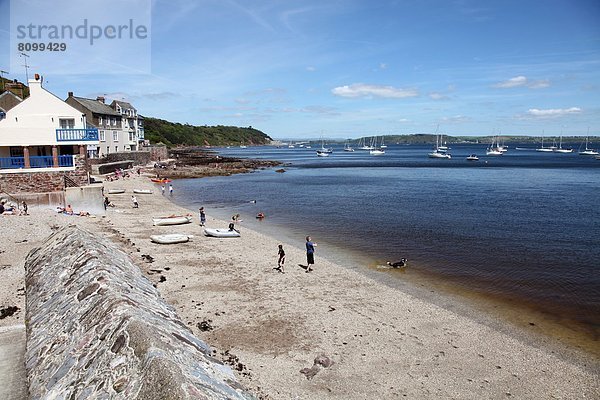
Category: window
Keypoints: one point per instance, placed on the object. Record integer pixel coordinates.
(115, 136)
(100, 120)
(114, 121)
(131, 134)
(66, 123)
(116, 149)
(102, 136)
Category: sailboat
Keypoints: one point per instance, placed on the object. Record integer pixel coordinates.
(544, 149)
(437, 153)
(494, 150)
(376, 151)
(347, 147)
(383, 145)
(324, 150)
(560, 148)
(587, 151)
(364, 146)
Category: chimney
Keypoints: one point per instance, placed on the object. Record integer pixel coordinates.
(70, 94)
(100, 99)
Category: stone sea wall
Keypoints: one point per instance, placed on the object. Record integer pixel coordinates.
(98, 329)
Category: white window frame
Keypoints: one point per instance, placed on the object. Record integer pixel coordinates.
(102, 136)
(66, 123)
(115, 136)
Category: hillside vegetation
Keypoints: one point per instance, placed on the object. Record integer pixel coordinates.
(173, 134)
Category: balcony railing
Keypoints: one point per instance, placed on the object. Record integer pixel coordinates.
(77, 135)
(35, 162)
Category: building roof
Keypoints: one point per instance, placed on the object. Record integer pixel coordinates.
(96, 106)
(123, 104)
(11, 94)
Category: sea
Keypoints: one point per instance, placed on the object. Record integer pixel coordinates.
(520, 231)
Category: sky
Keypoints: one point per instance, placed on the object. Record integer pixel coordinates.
(351, 68)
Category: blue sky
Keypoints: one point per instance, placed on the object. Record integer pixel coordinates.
(351, 68)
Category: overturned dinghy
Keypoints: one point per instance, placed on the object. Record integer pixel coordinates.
(116, 191)
(170, 238)
(172, 220)
(222, 233)
(142, 191)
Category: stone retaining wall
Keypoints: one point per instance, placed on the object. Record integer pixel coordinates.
(98, 329)
(35, 181)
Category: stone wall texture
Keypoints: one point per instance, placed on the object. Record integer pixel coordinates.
(42, 182)
(98, 329)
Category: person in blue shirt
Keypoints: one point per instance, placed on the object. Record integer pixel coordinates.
(310, 254)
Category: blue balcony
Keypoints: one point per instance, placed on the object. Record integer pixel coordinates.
(35, 162)
(77, 135)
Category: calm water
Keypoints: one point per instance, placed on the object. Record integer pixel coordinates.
(524, 226)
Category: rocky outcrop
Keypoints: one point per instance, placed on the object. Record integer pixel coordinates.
(97, 329)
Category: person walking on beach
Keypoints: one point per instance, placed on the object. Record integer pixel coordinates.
(281, 260)
(24, 206)
(135, 202)
(310, 254)
(162, 189)
(171, 190)
(202, 215)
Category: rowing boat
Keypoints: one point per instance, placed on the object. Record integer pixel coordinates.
(116, 191)
(142, 191)
(172, 220)
(170, 238)
(222, 233)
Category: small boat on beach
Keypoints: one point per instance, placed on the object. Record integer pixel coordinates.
(116, 191)
(160, 180)
(172, 220)
(142, 191)
(221, 233)
(170, 238)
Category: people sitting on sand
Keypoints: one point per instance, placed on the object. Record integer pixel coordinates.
(69, 210)
(398, 264)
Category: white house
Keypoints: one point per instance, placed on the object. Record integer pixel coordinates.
(43, 132)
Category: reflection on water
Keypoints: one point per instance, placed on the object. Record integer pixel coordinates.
(522, 226)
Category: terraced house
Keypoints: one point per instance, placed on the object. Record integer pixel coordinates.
(133, 123)
(43, 143)
(113, 137)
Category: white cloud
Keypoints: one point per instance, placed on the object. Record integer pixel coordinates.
(522, 81)
(311, 68)
(512, 82)
(437, 96)
(365, 90)
(456, 119)
(382, 66)
(552, 112)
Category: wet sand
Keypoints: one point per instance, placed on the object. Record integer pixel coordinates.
(384, 342)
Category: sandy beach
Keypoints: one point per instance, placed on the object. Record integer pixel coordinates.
(384, 342)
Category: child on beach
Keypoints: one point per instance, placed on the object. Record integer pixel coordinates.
(135, 202)
(171, 190)
(162, 188)
(281, 260)
(202, 216)
(310, 254)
